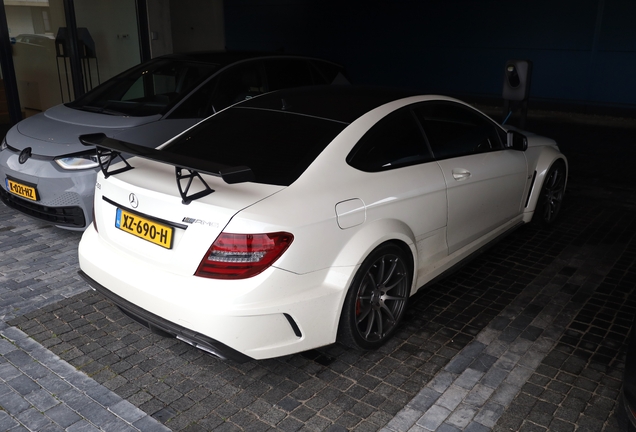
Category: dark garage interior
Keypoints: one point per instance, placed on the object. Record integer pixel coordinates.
(531, 335)
(582, 51)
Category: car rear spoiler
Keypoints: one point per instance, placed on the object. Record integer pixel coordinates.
(109, 149)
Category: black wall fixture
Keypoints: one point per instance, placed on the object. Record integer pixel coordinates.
(516, 88)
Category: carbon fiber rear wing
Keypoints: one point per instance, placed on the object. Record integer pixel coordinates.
(109, 149)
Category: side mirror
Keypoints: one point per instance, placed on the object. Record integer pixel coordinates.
(517, 141)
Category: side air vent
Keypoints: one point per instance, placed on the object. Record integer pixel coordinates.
(293, 325)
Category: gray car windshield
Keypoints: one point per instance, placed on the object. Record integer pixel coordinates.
(148, 89)
(277, 146)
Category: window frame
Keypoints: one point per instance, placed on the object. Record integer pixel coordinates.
(500, 132)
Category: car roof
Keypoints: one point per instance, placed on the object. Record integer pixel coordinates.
(334, 102)
(225, 58)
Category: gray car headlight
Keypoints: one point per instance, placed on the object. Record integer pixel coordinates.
(78, 161)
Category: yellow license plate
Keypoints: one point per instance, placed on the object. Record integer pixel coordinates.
(19, 189)
(144, 228)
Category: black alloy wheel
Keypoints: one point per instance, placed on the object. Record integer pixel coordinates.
(377, 299)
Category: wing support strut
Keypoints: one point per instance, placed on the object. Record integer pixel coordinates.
(189, 177)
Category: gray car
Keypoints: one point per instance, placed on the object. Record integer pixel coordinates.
(48, 174)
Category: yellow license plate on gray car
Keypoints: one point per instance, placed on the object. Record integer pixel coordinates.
(21, 190)
(144, 228)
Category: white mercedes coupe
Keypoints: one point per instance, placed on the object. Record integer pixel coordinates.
(304, 217)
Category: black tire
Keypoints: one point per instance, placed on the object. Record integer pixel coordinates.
(377, 298)
(551, 196)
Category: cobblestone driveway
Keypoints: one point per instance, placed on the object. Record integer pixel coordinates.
(528, 336)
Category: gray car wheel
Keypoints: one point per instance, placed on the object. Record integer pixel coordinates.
(377, 299)
(551, 196)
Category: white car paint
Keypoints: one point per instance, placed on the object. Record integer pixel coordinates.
(483, 191)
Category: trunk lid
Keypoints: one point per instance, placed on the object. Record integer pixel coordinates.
(149, 195)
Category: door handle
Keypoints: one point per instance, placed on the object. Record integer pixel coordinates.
(460, 174)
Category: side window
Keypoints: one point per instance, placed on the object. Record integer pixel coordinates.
(230, 86)
(393, 142)
(455, 130)
(286, 73)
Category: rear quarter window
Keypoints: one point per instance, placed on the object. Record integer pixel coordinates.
(395, 141)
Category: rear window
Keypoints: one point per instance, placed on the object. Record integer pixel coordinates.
(277, 146)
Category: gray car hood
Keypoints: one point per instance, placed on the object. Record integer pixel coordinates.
(55, 132)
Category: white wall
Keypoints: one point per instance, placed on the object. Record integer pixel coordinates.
(19, 20)
(113, 27)
(197, 25)
(160, 27)
(35, 65)
(185, 25)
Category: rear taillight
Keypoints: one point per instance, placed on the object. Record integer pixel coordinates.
(239, 256)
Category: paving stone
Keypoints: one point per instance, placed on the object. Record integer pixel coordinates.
(404, 420)
(478, 395)
(13, 403)
(7, 422)
(458, 364)
(483, 362)
(33, 419)
(509, 422)
(504, 394)
(62, 415)
(424, 399)
(442, 381)
(489, 414)
(9, 371)
(469, 378)
(494, 377)
(6, 347)
(476, 427)
(433, 418)
(445, 427)
(507, 360)
(41, 400)
(496, 348)
(561, 426)
(452, 397)
(531, 359)
(519, 375)
(462, 416)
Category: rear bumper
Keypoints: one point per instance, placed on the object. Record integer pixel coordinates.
(269, 315)
(155, 323)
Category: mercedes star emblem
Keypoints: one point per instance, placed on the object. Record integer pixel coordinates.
(133, 200)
